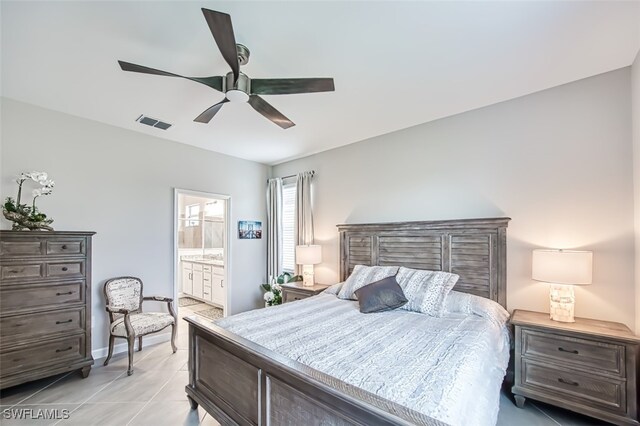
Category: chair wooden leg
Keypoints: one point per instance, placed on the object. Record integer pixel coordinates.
(173, 337)
(111, 341)
(139, 343)
(131, 341)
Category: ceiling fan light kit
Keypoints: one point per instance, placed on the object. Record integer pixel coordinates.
(237, 86)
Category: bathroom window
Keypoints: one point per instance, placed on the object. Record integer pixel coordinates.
(193, 215)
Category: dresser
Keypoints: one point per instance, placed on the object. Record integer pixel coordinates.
(45, 304)
(296, 291)
(590, 366)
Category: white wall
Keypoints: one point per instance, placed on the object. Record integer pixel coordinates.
(635, 111)
(557, 162)
(120, 184)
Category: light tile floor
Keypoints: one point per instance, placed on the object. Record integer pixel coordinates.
(154, 394)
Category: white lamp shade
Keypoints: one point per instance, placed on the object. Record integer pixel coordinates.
(308, 255)
(562, 266)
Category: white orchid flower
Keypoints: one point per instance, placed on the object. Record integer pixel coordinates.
(48, 183)
(36, 193)
(37, 176)
(276, 287)
(46, 190)
(268, 296)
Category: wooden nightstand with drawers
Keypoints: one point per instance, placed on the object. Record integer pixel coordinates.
(589, 366)
(296, 291)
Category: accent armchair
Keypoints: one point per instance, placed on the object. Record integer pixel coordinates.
(124, 305)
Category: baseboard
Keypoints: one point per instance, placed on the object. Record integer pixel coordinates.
(122, 347)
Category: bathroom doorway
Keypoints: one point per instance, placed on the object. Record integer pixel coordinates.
(201, 252)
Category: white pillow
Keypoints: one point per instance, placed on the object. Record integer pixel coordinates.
(425, 290)
(471, 304)
(333, 289)
(363, 275)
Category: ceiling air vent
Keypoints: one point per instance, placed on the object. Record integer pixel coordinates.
(143, 119)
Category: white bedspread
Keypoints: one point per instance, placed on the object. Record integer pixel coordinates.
(449, 368)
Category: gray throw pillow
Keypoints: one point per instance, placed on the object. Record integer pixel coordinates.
(380, 296)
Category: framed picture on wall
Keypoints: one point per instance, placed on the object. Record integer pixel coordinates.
(249, 230)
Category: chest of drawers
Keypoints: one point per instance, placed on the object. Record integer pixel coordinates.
(589, 366)
(45, 304)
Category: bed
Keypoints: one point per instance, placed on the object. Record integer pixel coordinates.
(326, 363)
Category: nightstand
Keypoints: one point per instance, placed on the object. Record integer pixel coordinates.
(296, 291)
(588, 366)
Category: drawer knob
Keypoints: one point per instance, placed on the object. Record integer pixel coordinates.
(64, 247)
(63, 294)
(64, 268)
(568, 382)
(64, 322)
(65, 349)
(561, 349)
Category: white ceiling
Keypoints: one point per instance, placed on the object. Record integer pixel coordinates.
(395, 64)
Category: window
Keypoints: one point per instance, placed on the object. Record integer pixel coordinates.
(288, 224)
(193, 213)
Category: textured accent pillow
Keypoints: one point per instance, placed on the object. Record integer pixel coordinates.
(334, 289)
(363, 275)
(383, 295)
(471, 304)
(426, 290)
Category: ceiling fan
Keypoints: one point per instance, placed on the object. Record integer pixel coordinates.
(236, 85)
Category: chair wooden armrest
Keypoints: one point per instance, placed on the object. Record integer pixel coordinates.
(115, 310)
(169, 301)
(158, 298)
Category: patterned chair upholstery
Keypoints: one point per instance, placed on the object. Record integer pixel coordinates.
(124, 305)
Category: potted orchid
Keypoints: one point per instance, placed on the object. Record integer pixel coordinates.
(273, 293)
(273, 290)
(23, 216)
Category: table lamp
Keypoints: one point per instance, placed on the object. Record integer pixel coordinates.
(307, 256)
(562, 269)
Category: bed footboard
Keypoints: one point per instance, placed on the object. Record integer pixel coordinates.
(241, 383)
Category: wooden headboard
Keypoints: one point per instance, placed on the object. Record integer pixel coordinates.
(475, 249)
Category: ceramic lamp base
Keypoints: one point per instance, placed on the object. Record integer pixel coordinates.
(562, 302)
(307, 276)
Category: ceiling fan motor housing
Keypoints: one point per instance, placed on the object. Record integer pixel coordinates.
(238, 92)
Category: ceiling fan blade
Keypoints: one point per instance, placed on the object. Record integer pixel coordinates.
(208, 113)
(222, 30)
(289, 86)
(213, 82)
(264, 108)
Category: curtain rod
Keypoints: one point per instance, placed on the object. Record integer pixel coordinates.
(313, 172)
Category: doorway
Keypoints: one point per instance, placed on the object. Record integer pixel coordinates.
(201, 253)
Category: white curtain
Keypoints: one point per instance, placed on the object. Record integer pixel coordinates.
(274, 227)
(304, 214)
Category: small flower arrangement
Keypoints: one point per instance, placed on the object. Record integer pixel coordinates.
(273, 294)
(26, 217)
(273, 290)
